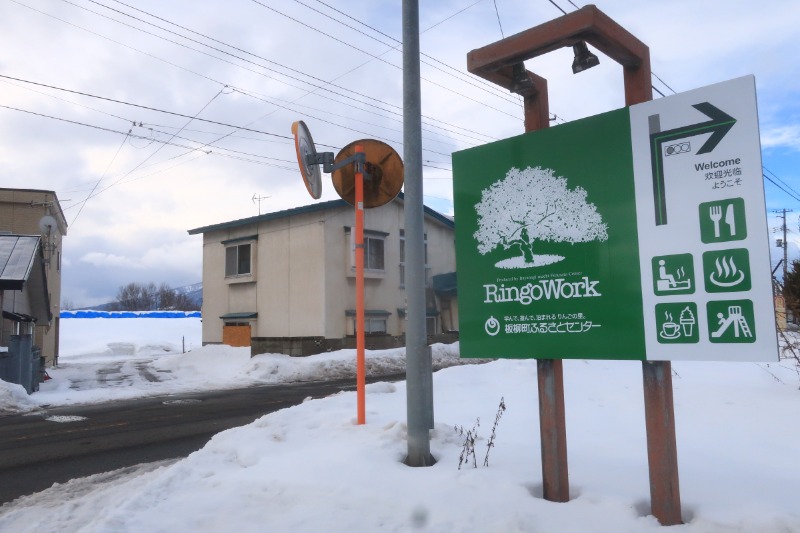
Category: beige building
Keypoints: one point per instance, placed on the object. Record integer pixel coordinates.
(37, 212)
(285, 281)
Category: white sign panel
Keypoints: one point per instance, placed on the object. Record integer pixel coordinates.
(703, 241)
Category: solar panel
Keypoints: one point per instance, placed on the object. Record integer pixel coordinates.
(16, 256)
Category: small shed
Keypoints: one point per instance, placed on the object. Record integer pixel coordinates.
(25, 301)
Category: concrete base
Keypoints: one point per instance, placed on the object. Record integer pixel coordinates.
(304, 346)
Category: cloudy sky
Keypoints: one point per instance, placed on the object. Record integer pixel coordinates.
(198, 98)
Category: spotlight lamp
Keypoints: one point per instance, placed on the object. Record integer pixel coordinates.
(584, 59)
(520, 81)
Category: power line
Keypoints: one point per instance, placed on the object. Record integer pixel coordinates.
(243, 128)
(558, 7)
(83, 204)
(663, 82)
(146, 159)
(201, 154)
(439, 168)
(171, 143)
(128, 137)
(653, 74)
(461, 76)
(310, 27)
(140, 106)
(451, 16)
(319, 87)
(503, 35)
(369, 134)
(67, 101)
(783, 186)
(197, 156)
(231, 150)
(189, 148)
(324, 84)
(290, 69)
(793, 196)
(117, 42)
(782, 182)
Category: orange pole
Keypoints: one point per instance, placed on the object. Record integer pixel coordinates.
(360, 362)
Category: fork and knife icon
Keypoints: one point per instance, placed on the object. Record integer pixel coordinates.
(715, 213)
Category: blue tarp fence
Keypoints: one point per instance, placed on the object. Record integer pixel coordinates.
(130, 314)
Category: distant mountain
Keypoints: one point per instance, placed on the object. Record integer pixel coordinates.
(189, 289)
(194, 292)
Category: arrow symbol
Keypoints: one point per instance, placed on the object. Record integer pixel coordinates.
(719, 125)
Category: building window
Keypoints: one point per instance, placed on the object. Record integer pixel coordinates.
(374, 257)
(431, 324)
(403, 258)
(237, 260)
(373, 253)
(374, 325)
(375, 322)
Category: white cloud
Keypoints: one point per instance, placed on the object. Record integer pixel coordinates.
(787, 136)
(140, 222)
(110, 260)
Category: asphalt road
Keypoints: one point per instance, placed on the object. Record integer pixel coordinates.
(36, 452)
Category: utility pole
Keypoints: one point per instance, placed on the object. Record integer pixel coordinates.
(783, 243)
(419, 400)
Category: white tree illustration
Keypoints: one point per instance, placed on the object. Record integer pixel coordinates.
(530, 205)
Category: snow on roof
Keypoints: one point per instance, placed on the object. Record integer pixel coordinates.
(311, 208)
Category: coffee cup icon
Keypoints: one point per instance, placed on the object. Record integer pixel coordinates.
(670, 330)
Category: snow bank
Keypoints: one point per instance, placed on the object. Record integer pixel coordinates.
(14, 399)
(310, 468)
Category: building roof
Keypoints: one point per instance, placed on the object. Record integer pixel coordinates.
(445, 284)
(312, 208)
(240, 316)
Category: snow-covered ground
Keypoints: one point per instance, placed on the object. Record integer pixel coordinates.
(106, 359)
(311, 468)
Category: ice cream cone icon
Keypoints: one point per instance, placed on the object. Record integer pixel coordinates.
(687, 321)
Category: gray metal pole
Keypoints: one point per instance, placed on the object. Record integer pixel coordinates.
(419, 398)
(785, 252)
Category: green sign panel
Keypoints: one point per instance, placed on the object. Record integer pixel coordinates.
(539, 265)
(619, 236)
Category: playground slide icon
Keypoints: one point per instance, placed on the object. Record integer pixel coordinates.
(731, 321)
